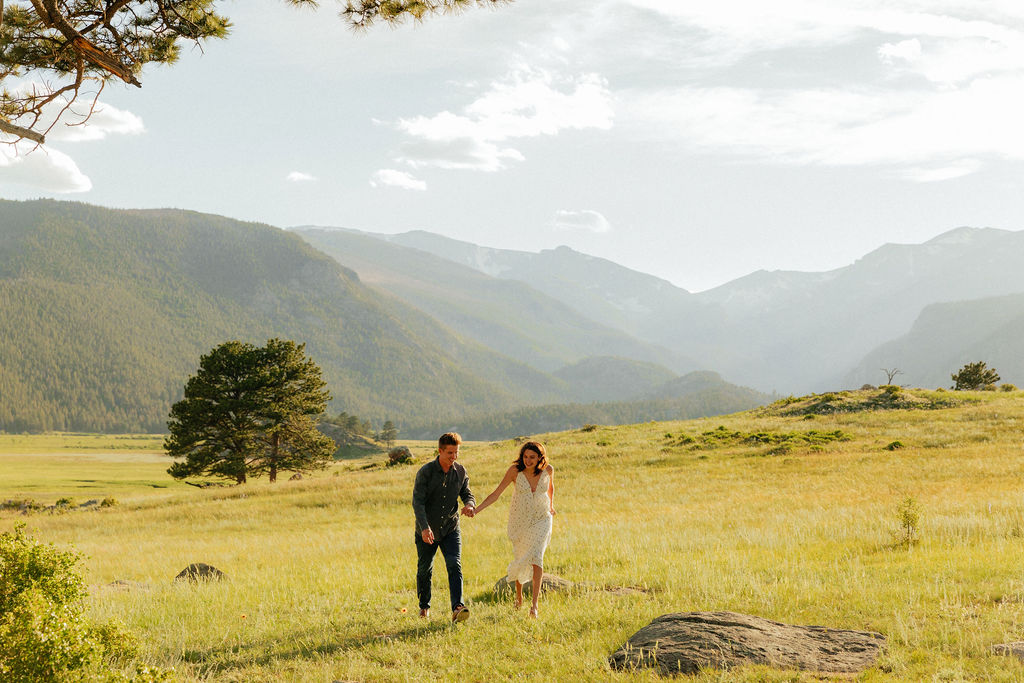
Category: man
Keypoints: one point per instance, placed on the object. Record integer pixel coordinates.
(435, 500)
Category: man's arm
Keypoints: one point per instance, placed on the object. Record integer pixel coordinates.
(419, 499)
(466, 494)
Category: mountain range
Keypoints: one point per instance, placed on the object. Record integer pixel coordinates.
(104, 314)
(780, 331)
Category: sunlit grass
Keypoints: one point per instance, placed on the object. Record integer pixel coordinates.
(320, 570)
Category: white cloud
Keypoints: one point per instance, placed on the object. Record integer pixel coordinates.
(948, 172)
(530, 103)
(53, 170)
(833, 127)
(905, 50)
(299, 177)
(41, 167)
(389, 177)
(105, 120)
(942, 99)
(584, 219)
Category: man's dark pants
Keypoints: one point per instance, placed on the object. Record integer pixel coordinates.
(451, 549)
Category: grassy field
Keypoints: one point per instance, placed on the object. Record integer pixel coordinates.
(756, 518)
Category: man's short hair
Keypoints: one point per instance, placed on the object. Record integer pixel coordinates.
(449, 439)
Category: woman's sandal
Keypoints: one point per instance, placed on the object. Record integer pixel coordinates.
(460, 614)
(533, 612)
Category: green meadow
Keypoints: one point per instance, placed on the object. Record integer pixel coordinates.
(750, 512)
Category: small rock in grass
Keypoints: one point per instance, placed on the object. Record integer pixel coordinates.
(1015, 649)
(549, 582)
(200, 571)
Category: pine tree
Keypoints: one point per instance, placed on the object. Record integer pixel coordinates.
(248, 411)
(974, 376)
(388, 433)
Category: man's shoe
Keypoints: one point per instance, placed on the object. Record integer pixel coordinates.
(424, 613)
(460, 614)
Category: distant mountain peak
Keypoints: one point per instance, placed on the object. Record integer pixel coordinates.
(965, 235)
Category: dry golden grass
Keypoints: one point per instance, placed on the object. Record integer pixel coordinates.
(322, 569)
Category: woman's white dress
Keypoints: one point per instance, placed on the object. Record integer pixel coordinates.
(529, 526)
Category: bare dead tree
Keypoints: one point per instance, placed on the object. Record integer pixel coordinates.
(890, 374)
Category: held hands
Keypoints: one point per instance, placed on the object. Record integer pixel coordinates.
(428, 536)
(469, 511)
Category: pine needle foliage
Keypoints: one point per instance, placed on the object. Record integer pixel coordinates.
(248, 411)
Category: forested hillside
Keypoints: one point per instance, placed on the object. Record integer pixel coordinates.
(698, 394)
(104, 314)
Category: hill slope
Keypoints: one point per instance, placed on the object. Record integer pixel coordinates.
(947, 336)
(509, 316)
(105, 313)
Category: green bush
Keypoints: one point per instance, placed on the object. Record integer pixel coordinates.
(1008, 387)
(894, 446)
(109, 502)
(400, 455)
(908, 513)
(44, 635)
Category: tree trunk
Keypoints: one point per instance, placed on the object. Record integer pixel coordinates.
(275, 442)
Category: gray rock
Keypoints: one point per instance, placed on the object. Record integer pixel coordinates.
(1015, 649)
(199, 571)
(295, 477)
(687, 642)
(549, 582)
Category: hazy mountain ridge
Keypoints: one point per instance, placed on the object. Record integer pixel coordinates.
(104, 314)
(508, 316)
(947, 336)
(788, 331)
(598, 288)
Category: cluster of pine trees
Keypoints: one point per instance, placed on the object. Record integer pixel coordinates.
(553, 418)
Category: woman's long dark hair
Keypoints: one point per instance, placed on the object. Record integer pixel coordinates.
(538, 448)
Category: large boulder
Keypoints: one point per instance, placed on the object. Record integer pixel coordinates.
(549, 582)
(200, 571)
(689, 641)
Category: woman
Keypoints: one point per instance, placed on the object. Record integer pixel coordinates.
(529, 516)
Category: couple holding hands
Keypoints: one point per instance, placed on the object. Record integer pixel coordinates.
(435, 500)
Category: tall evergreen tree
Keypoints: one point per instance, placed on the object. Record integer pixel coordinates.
(248, 411)
(295, 391)
(388, 433)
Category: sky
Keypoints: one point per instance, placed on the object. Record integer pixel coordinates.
(696, 141)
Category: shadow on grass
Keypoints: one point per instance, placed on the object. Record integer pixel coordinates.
(267, 651)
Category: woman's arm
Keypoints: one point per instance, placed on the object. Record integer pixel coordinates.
(551, 488)
(509, 477)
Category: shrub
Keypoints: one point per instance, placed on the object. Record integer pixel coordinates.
(909, 515)
(1008, 387)
(974, 376)
(400, 455)
(44, 635)
(588, 428)
(895, 445)
(109, 502)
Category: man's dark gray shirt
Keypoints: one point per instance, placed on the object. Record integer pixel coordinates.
(435, 497)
